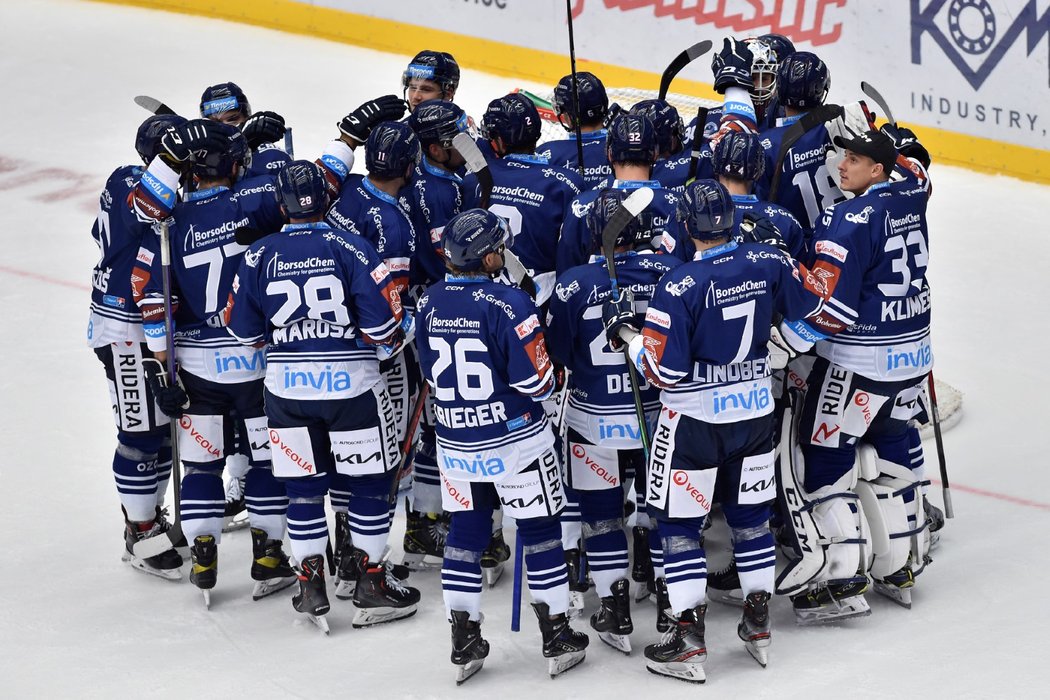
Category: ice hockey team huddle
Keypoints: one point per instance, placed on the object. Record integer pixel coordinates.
(607, 338)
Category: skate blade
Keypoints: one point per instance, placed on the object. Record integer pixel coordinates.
(139, 565)
(557, 665)
(369, 617)
(688, 672)
(271, 586)
(759, 651)
(420, 562)
(900, 596)
(846, 609)
(640, 591)
(733, 597)
(320, 622)
(236, 522)
(344, 590)
(619, 642)
(464, 672)
(493, 574)
(575, 604)
(207, 598)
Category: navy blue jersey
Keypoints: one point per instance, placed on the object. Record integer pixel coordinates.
(482, 348)
(119, 235)
(789, 227)
(707, 327)
(321, 300)
(601, 405)
(564, 154)
(577, 243)
(533, 196)
(364, 209)
(673, 172)
(432, 197)
(267, 159)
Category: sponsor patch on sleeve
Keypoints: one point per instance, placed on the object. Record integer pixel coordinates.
(658, 317)
(527, 326)
(380, 273)
(832, 249)
(144, 256)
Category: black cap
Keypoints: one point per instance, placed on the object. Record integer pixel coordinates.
(873, 144)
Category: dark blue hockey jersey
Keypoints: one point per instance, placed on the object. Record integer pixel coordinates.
(564, 154)
(432, 197)
(789, 227)
(600, 405)
(481, 347)
(321, 300)
(267, 159)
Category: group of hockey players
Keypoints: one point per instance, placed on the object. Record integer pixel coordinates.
(753, 335)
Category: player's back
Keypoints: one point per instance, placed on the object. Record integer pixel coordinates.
(788, 226)
(805, 188)
(432, 198)
(564, 153)
(267, 160)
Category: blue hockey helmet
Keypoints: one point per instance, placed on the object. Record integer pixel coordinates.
(670, 132)
(594, 101)
(631, 138)
(803, 81)
(438, 66)
(512, 118)
(471, 235)
(437, 121)
(706, 208)
(392, 148)
(739, 155)
(224, 153)
(302, 190)
(781, 45)
(602, 209)
(224, 97)
(147, 140)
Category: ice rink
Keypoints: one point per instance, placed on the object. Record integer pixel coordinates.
(76, 622)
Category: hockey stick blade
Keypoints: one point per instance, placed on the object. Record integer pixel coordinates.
(698, 143)
(158, 544)
(631, 207)
(797, 130)
(476, 164)
(152, 104)
(878, 99)
(681, 61)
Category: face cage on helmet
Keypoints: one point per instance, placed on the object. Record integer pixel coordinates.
(762, 95)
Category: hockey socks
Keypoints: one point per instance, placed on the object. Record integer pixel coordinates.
(203, 504)
(307, 527)
(755, 560)
(266, 501)
(606, 554)
(461, 581)
(135, 473)
(685, 565)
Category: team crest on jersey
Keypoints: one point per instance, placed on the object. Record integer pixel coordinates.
(580, 209)
(251, 259)
(565, 293)
(677, 289)
(860, 217)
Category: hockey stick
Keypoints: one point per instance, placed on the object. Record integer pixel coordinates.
(797, 130)
(877, 98)
(519, 565)
(575, 90)
(698, 143)
(949, 512)
(152, 104)
(410, 439)
(681, 61)
(631, 207)
(289, 147)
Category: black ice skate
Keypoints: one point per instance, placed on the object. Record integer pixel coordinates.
(664, 619)
(577, 581)
(831, 601)
(235, 517)
(724, 586)
(897, 586)
(494, 558)
(350, 563)
(312, 598)
(165, 526)
(468, 648)
(612, 621)
(205, 569)
(681, 652)
(379, 595)
(424, 541)
(563, 647)
(270, 568)
(754, 626)
(165, 565)
(642, 566)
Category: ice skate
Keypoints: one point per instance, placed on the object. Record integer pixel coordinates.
(642, 566)
(235, 516)
(612, 621)
(312, 598)
(897, 586)
(204, 571)
(724, 586)
(577, 582)
(664, 619)
(349, 572)
(468, 648)
(563, 647)
(832, 601)
(165, 565)
(180, 544)
(424, 541)
(270, 568)
(753, 629)
(343, 542)
(379, 595)
(494, 559)
(681, 652)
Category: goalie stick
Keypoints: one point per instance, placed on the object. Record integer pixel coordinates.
(949, 512)
(681, 61)
(797, 130)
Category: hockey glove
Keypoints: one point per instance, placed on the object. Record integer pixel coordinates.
(906, 143)
(172, 400)
(263, 127)
(758, 229)
(618, 314)
(358, 124)
(180, 143)
(780, 352)
(732, 66)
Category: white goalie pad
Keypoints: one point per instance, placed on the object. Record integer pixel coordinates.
(899, 531)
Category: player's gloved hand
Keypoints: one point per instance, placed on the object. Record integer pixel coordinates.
(907, 143)
(358, 124)
(172, 400)
(759, 229)
(618, 314)
(263, 127)
(180, 143)
(780, 352)
(732, 66)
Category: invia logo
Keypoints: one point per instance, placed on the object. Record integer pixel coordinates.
(974, 29)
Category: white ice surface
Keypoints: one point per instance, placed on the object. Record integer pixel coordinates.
(76, 622)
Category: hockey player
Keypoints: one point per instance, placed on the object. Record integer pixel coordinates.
(874, 355)
(672, 158)
(227, 103)
(592, 111)
(220, 376)
(321, 301)
(603, 442)
(142, 459)
(529, 192)
(483, 352)
(432, 75)
(704, 342)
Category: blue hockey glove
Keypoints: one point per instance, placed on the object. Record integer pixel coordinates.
(618, 314)
(758, 229)
(358, 124)
(263, 127)
(172, 400)
(732, 66)
(907, 143)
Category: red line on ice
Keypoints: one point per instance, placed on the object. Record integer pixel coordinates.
(79, 286)
(997, 496)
